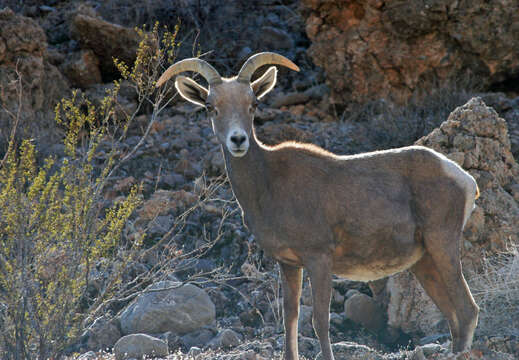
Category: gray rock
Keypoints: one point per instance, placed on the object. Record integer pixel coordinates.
(308, 346)
(350, 293)
(430, 349)
(160, 225)
(180, 310)
(88, 356)
(276, 38)
(193, 352)
(199, 338)
(336, 320)
(139, 345)
(226, 338)
(365, 311)
(337, 301)
(102, 334)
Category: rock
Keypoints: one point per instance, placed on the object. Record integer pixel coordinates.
(336, 320)
(481, 135)
(431, 42)
(365, 311)
(180, 310)
(82, 69)
(194, 352)
(139, 346)
(508, 109)
(160, 225)
(214, 163)
(276, 38)
(351, 292)
(477, 132)
(226, 338)
(290, 99)
(106, 40)
(352, 351)
(88, 356)
(163, 202)
(410, 309)
(198, 338)
(308, 346)
(174, 341)
(23, 47)
(337, 301)
(102, 334)
(430, 349)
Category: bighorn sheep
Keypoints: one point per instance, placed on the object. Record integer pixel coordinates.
(363, 217)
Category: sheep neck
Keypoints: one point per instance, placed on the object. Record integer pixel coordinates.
(249, 177)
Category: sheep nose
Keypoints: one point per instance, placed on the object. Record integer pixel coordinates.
(238, 139)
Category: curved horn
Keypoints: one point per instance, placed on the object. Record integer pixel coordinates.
(192, 64)
(263, 58)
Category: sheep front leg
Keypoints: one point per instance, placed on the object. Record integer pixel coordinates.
(291, 277)
(321, 280)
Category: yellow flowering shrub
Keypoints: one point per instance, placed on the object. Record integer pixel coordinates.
(54, 224)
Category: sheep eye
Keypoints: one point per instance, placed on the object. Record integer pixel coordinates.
(211, 109)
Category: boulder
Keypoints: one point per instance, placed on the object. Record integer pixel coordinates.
(225, 339)
(102, 334)
(198, 338)
(365, 311)
(430, 42)
(23, 55)
(106, 40)
(476, 138)
(82, 69)
(137, 346)
(179, 309)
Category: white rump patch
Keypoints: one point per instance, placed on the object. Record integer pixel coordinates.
(454, 171)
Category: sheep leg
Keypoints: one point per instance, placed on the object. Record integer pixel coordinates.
(320, 274)
(443, 281)
(291, 279)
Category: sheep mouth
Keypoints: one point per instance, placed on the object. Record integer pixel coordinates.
(238, 152)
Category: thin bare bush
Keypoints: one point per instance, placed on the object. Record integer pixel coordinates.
(496, 291)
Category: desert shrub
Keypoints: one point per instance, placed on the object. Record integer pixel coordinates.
(496, 291)
(55, 222)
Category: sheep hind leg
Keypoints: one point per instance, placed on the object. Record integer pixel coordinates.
(319, 270)
(441, 276)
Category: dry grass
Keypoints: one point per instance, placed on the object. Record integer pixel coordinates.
(496, 290)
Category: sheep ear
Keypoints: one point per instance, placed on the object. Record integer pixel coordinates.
(191, 90)
(265, 83)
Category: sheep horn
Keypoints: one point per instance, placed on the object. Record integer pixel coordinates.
(192, 64)
(263, 58)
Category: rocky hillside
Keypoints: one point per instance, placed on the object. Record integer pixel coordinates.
(393, 48)
(375, 74)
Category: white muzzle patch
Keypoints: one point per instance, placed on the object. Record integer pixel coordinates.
(237, 142)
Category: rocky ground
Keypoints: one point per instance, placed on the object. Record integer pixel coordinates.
(185, 311)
